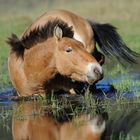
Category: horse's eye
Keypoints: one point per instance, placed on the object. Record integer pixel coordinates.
(69, 49)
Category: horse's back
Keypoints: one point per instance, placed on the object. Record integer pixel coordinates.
(82, 29)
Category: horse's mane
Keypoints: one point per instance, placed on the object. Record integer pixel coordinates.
(38, 35)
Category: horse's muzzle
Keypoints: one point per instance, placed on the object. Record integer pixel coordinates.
(94, 73)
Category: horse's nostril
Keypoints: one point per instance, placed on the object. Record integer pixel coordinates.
(96, 70)
(98, 73)
(94, 73)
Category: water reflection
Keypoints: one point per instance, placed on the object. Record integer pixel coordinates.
(35, 121)
(31, 121)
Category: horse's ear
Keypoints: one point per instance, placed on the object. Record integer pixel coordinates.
(58, 32)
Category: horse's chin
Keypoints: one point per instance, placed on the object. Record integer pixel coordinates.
(78, 78)
(85, 80)
(73, 80)
(91, 82)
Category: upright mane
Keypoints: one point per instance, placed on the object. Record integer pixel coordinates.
(38, 35)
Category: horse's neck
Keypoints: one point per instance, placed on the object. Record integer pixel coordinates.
(39, 64)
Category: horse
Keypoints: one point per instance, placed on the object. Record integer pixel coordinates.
(91, 33)
(36, 121)
(43, 126)
(48, 58)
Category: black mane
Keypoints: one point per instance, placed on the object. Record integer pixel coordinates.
(39, 34)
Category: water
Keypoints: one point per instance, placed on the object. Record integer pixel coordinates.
(37, 120)
(48, 119)
(5, 122)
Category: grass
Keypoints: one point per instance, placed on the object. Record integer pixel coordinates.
(123, 14)
(67, 110)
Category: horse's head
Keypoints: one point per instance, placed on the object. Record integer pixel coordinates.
(47, 52)
(74, 61)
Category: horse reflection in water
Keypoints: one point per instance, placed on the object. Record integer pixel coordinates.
(36, 121)
(41, 60)
(32, 123)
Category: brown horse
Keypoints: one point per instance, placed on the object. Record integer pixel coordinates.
(89, 33)
(41, 60)
(35, 124)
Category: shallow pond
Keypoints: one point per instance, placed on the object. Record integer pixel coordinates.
(39, 122)
(41, 119)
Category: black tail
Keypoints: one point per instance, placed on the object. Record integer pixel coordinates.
(119, 128)
(111, 43)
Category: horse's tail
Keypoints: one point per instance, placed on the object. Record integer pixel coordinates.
(16, 45)
(111, 43)
(119, 128)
